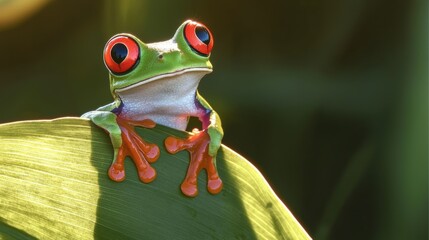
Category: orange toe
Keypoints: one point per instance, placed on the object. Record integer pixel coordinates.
(214, 186)
(189, 189)
(116, 173)
(147, 175)
(173, 144)
(153, 154)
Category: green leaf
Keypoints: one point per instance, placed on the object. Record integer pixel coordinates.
(54, 184)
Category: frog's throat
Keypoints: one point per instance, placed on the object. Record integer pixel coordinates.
(166, 75)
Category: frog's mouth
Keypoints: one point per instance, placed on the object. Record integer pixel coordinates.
(165, 76)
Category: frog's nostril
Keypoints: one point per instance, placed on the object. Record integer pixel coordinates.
(160, 56)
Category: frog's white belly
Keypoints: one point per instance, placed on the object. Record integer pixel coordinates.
(168, 101)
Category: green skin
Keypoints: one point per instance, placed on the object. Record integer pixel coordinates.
(179, 57)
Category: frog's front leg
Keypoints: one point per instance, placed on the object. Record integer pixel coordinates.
(127, 143)
(202, 147)
(141, 152)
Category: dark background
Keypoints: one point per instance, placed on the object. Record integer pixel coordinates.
(327, 98)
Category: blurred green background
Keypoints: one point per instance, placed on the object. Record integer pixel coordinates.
(327, 98)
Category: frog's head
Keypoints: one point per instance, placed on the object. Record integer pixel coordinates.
(132, 63)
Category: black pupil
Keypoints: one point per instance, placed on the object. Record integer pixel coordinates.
(202, 34)
(119, 52)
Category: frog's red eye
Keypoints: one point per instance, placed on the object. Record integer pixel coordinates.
(199, 38)
(121, 54)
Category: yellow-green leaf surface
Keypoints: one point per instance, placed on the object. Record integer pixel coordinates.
(54, 185)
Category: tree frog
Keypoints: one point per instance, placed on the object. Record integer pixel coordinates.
(156, 83)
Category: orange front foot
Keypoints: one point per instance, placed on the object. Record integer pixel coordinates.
(197, 146)
(141, 152)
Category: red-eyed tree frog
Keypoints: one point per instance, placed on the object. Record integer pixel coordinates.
(156, 83)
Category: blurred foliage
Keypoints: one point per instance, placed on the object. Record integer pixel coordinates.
(335, 93)
(12, 13)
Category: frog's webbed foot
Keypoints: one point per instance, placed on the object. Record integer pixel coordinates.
(141, 152)
(198, 147)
